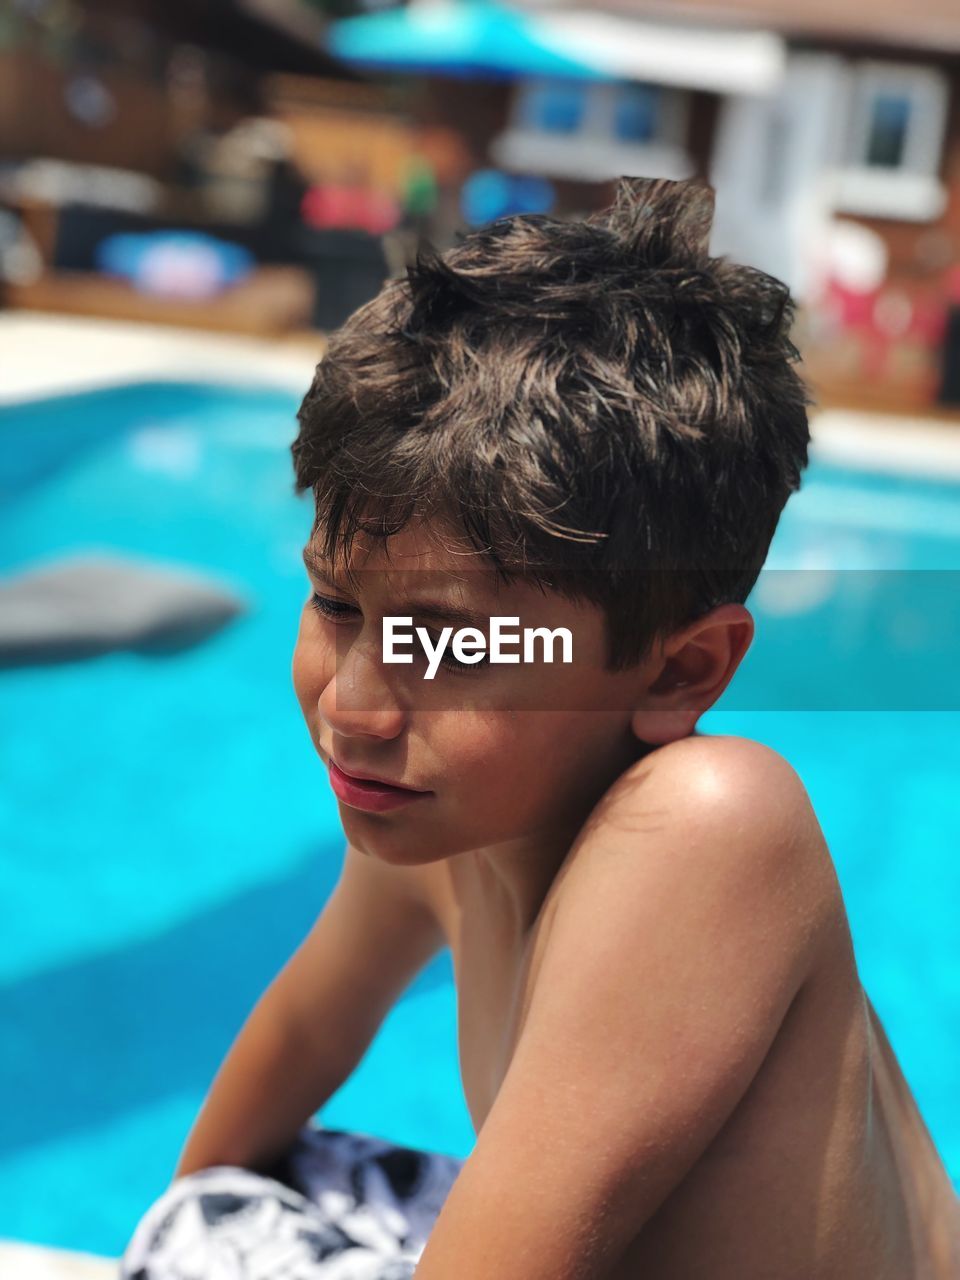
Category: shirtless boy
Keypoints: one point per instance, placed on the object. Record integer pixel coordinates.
(672, 1067)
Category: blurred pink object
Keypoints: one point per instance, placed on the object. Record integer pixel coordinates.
(853, 308)
(180, 271)
(349, 207)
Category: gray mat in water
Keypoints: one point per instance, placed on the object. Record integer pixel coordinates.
(87, 605)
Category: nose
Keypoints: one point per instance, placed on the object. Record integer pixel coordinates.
(357, 701)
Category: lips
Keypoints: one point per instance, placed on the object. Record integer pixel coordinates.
(371, 794)
(355, 775)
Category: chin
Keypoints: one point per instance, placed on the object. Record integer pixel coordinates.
(372, 835)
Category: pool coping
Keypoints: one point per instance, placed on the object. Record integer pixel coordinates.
(45, 355)
(36, 1262)
(923, 447)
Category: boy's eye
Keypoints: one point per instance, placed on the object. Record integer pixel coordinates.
(450, 660)
(455, 664)
(327, 607)
(339, 610)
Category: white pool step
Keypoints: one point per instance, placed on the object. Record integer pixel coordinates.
(30, 1262)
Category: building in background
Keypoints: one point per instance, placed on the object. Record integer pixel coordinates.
(831, 134)
(126, 83)
(209, 126)
(329, 138)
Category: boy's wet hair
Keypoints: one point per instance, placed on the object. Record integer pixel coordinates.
(599, 405)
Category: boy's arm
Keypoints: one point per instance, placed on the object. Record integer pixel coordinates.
(317, 1018)
(690, 918)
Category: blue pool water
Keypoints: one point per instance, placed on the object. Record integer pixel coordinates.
(167, 835)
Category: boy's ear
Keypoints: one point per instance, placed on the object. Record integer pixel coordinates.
(691, 671)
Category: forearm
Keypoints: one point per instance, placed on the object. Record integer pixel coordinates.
(316, 1020)
(271, 1082)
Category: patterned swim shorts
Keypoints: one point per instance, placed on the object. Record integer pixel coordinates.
(339, 1206)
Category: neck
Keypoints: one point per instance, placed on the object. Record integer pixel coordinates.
(507, 884)
(503, 887)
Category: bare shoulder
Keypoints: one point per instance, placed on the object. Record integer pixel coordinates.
(723, 821)
(718, 771)
(741, 792)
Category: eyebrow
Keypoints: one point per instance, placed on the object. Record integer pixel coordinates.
(436, 610)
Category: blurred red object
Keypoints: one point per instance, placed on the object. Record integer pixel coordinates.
(850, 308)
(886, 316)
(357, 208)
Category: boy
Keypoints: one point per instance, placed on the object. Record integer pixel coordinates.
(670, 1062)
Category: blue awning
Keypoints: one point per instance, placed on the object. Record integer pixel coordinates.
(471, 39)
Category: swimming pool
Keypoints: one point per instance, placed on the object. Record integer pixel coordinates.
(167, 835)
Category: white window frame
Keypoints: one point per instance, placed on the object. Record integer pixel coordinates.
(912, 191)
(592, 152)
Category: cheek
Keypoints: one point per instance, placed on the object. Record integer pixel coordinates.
(515, 756)
(548, 757)
(314, 660)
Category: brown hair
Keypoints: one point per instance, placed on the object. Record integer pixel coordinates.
(600, 405)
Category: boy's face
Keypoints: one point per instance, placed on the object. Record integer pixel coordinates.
(514, 754)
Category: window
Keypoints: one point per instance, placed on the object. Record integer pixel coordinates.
(894, 143)
(595, 130)
(636, 112)
(555, 106)
(889, 115)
